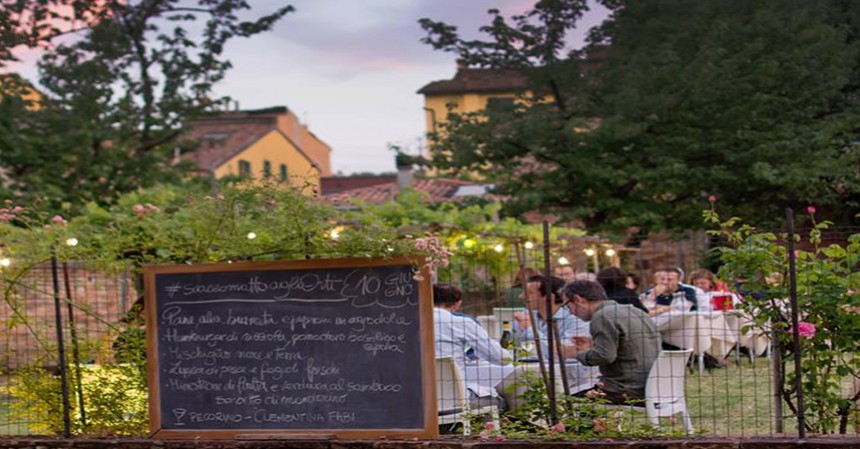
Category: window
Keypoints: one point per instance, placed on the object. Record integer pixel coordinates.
(244, 168)
(267, 169)
(500, 104)
(284, 173)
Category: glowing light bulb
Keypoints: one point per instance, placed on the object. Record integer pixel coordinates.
(499, 248)
(589, 252)
(5, 262)
(72, 241)
(469, 243)
(529, 245)
(610, 252)
(563, 261)
(252, 235)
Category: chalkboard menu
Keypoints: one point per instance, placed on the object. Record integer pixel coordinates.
(319, 348)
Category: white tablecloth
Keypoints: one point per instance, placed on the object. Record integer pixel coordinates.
(748, 334)
(700, 331)
(485, 374)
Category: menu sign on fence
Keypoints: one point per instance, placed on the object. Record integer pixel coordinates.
(319, 348)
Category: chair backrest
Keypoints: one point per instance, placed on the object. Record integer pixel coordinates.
(450, 386)
(666, 379)
(491, 324)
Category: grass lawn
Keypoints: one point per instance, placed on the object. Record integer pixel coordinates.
(737, 400)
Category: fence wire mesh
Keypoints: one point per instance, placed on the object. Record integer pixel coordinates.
(501, 368)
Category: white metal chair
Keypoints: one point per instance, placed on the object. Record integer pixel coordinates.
(664, 390)
(452, 400)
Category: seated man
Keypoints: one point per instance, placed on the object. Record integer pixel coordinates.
(516, 384)
(534, 296)
(565, 272)
(667, 286)
(454, 335)
(624, 343)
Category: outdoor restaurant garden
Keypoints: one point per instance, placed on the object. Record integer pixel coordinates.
(84, 275)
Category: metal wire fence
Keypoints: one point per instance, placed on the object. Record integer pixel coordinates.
(501, 368)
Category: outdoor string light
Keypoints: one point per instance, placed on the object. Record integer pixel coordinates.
(610, 252)
(499, 248)
(72, 241)
(589, 252)
(252, 235)
(5, 262)
(563, 261)
(529, 245)
(468, 243)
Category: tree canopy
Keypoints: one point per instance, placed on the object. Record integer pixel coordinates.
(118, 81)
(671, 104)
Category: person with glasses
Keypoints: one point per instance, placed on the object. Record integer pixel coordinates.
(624, 343)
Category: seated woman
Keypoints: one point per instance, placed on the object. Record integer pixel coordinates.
(711, 286)
(614, 281)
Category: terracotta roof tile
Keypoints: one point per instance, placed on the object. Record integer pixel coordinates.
(219, 141)
(439, 190)
(335, 184)
(478, 80)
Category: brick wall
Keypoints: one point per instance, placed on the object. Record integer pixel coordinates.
(28, 331)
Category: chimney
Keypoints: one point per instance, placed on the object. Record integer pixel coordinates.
(404, 176)
(404, 170)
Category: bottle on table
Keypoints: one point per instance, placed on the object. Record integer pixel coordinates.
(507, 340)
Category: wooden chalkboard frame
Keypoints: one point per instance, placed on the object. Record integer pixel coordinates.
(426, 346)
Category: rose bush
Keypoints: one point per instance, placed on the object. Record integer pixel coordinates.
(828, 300)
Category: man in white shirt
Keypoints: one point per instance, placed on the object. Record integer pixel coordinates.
(454, 335)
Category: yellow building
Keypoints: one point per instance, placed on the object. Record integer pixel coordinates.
(470, 90)
(268, 143)
(12, 85)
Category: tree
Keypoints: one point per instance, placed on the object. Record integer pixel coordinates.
(116, 97)
(672, 102)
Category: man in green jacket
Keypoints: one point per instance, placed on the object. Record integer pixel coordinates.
(624, 343)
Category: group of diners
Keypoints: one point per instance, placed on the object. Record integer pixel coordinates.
(618, 340)
(601, 323)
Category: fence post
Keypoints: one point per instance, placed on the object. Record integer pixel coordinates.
(550, 387)
(795, 332)
(61, 352)
(76, 354)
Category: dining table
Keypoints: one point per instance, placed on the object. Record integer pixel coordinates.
(703, 332)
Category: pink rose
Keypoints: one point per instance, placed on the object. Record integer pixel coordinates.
(17, 210)
(806, 330)
(712, 198)
(489, 425)
(599, 424)
(483, 436)
(59, 220)
(558, 427)
(810, 210)
(500, 438)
